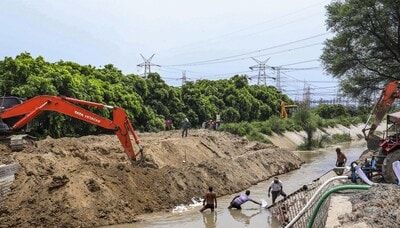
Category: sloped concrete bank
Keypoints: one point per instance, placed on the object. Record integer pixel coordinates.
(291, 140)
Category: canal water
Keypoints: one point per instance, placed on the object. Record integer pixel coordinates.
(316, 163)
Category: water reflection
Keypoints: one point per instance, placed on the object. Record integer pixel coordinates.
(210, 219)
(241, 217)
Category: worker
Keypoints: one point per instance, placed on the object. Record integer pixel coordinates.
(210, 200)
(373, 163)
(341, 158)
(168, 124)
(238, 200)
(276, 189)
(185, 127)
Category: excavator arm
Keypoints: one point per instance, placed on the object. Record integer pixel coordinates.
(33, 107)
(390, 93)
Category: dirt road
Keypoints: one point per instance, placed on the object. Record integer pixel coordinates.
(88, 181)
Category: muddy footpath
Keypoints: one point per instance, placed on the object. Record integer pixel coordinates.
(88, 181)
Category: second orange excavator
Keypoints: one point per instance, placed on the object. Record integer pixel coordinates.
(387, 147)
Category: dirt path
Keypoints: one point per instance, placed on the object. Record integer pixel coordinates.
(88, 181)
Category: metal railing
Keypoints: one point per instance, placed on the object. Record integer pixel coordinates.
(287, 209)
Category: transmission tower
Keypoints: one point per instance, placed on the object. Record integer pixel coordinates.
(184, 79)
(307, 94)
(147, 65)
(262, 76)
(278, 77)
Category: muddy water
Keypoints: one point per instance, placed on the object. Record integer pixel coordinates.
(317, 163)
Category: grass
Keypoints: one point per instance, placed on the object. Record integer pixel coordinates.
(255, 131)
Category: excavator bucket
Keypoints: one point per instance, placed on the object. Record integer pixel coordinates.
(373, 142)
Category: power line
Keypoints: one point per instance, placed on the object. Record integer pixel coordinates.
(245, 58)
(257, 25)
(301, 62)
(250, 52)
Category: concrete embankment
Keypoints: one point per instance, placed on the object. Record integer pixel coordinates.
(291, 140)
(87, 181)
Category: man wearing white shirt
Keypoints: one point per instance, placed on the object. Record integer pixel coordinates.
(276, 189)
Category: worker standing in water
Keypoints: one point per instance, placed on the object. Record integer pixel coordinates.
(185, 127)
(237, 201)
(341, 158)
(276, 189)
(210, 200)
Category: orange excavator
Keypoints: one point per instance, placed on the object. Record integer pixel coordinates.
(284, 109)
(388, 146)
(15, 114)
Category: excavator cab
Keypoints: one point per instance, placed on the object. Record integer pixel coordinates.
(390, 147)
(5, 103)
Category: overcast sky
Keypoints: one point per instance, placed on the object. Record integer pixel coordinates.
(99, 32)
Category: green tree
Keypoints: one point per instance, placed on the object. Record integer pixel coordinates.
(364, 53)
(308, 122)
(327, 111)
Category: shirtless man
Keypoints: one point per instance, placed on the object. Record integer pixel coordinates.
(341, 158)
(210, 200)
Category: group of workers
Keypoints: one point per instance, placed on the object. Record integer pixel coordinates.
(210, 198)
(275, 189)
(211, 124)
(185, 125)
(368, 167)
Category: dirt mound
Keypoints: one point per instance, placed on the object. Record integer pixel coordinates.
(378, 207)
(88, 181)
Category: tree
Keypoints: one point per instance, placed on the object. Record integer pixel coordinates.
(327, 111)
(308, 122)
(364, 53)
(148, 102)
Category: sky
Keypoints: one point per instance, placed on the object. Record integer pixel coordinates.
(209, 39)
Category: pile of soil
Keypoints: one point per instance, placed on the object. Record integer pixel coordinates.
(377, 207)
(88, 181)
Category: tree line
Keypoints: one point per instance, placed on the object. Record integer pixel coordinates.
(148, 102)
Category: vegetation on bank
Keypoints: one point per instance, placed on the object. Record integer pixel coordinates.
(148, 101)
(308, 120)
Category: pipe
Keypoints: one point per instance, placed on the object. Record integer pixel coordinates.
(327, 194)
(362, 175)
(312, 199)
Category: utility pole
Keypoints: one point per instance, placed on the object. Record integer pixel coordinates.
(147, 65)
(307, 95)
(262, 76)
(184, 79)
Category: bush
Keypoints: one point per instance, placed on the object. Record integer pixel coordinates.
(277, 124)
(328, 111)
(256, 136)
(308, 122)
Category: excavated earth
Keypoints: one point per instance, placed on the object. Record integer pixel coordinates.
(88, 181)
(377, 207)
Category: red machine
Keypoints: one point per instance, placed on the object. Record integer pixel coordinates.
(389, 145)
(17, 113)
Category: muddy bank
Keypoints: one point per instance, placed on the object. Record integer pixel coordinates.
(89, 182)
(377, 207)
